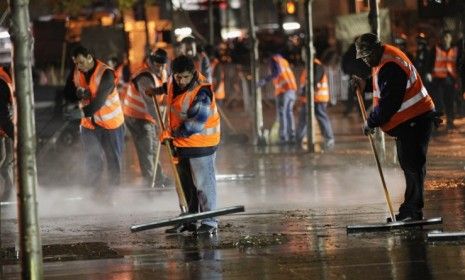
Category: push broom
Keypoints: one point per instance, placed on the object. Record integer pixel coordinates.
(185, 216)
(393, 223)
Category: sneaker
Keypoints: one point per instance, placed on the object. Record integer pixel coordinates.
(206, 229)
(179, 228)
(329, 144)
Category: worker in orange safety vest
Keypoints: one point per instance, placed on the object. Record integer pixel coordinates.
(194, 131)
(321, 99)
(140, 115)
(403, 109)
(285, 87)
(444, 77)
(101, 117)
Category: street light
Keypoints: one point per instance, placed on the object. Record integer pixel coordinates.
(183, 31)
(290, 26)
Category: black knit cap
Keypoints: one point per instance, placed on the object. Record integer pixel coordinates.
(366, 44)
(159, 56)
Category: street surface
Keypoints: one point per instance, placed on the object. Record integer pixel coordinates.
(297, 208)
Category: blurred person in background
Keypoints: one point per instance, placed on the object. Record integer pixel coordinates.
(422, 59)
(444, 77)
(285, 87)
(401, 42)
(7, 113)
(217, 70)
(321, 99)
(190, 48)
(140, 115)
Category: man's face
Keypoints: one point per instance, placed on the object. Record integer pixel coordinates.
(157, 68)
(189, 49)
(83, 63)
(183, 78)
(370, 59)
(447, 39)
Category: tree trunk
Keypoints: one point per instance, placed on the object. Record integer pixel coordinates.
(29, 234)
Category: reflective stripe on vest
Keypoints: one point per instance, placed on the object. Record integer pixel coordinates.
(110, 115)
(445, 63)
(285, 80)
(134, 104)
(178, 108)
(416, 99)
(321, 87)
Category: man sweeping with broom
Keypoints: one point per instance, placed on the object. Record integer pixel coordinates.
(402, 109)
(194, 131)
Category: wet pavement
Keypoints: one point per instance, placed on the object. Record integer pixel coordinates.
(297, 208)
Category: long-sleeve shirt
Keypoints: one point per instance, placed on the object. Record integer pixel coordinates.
(104, 89)
(143, 82)
(197, 116)
(6, 119)
(274, 67)
(392, 82)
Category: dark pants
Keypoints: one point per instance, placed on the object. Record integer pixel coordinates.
(322, 118)
(144, 135)
(412, 146)
(103, 146)
(188, 186)
(444, 96)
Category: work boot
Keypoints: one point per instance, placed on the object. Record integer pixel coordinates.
(206, 229)
(406, 218)
(163, 181)
(180, 228)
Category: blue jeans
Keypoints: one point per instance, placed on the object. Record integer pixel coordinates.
(101, 144)
(323, 122)
(285, 105)
(199, 184)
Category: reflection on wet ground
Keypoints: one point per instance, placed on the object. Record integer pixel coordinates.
(297, 208)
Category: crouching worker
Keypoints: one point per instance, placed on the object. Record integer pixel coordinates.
(194, 130)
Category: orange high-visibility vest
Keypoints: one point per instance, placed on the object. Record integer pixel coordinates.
(445, 63)
(416, 99)
(110, 115)
(119, 73)
(220, 93)
(9, 82)
(285, 80)
(321, 88)
(178, 107)
(134, 104)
